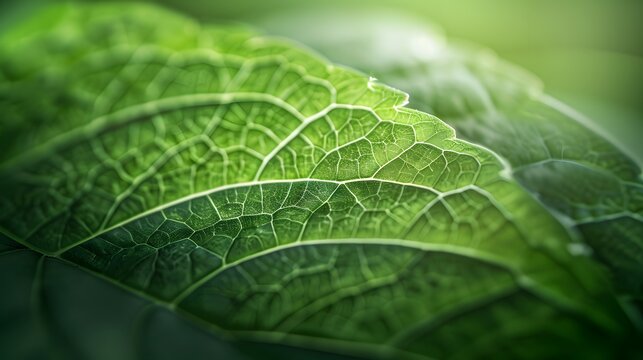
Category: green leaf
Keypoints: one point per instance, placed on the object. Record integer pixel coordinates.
(274, 198)
(589, 184)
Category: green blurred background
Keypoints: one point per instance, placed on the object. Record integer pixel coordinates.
(588, 53)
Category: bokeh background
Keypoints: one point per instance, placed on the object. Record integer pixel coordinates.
(588, 53)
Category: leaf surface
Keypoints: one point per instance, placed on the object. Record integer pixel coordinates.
(554, 152)
(275, 198)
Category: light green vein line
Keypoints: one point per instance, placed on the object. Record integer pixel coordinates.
(470, 253)
(264, 182)
(136, 112)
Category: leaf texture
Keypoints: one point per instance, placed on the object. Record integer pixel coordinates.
(272, 197)
(588, 183)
